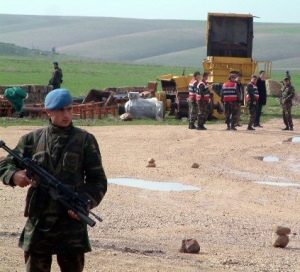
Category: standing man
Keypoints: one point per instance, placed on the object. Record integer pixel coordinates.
(252, 100)
(72, 156)
(57, 75)
(287, 95)
(262, 90)
(229, 96)
(193, 107)
(240, 90)
(203, 98)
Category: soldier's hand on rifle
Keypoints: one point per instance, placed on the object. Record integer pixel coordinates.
(21, 179)
(73, 215)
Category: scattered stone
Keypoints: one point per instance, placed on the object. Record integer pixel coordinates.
(195, 165)
(281, 230)
(151, 164)
(126, 117)
(190, 246)
(151, 160)
(281, 241)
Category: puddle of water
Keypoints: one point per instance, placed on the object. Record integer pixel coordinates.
(270, 159)
(153, 185)
(295, 140)
(280, 184)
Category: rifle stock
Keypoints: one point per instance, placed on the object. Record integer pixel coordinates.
(69, 199)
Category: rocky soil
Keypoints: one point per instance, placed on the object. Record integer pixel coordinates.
(231, 215)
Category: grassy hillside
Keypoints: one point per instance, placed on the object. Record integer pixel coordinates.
(155, 42)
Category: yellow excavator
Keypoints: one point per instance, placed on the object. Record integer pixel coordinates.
(229, 43)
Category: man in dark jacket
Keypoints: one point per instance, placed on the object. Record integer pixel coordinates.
(262, 90)
(56, 79)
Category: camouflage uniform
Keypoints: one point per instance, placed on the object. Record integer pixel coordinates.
(240, 102)
(230, 97)
(203, 98)
(231, 114)
(193, 106)
(193, 110)
(252, 98)
(287, 95)
(56, 79)
(72, 155)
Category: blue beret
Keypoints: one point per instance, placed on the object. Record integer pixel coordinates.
(58, 99)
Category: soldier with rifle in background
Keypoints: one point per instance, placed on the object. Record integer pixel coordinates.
(286, 101)
(56, 79)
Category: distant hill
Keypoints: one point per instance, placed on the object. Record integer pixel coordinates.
(157, 42)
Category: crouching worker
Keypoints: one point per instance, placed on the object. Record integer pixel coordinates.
(73, 157)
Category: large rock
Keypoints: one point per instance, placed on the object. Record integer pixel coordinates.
(273, 87)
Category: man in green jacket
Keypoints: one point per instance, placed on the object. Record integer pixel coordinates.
(72, 156)
(286, 101)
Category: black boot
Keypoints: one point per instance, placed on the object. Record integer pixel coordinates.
(291, 128)
(228, 127)
(192, 126)
(250, 127)
(201, 127)
(233, 127)
(286, 128)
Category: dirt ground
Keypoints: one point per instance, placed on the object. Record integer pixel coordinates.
(231, 215)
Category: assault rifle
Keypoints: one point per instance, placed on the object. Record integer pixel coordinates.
(58, 191)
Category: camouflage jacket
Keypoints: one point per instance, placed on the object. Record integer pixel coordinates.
(56, 79)
(287, 95)
(72, 155)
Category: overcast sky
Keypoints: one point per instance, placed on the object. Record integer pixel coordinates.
(273, 11)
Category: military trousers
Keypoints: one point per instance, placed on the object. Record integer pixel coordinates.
(287, 115)
(252, 113)
(203, 111)
(193, 110)
(42, 262)
(231, 111)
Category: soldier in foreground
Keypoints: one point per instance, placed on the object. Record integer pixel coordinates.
(193, 107)
(56, 79)
(286, 101)
(252, 100)
(72, 155)
(203, 98)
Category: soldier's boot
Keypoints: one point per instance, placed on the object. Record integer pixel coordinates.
(232, 127)
(250, 127)
(201, 127)
(286, 128)
(291, 128)
(228, 127)
(192, 126)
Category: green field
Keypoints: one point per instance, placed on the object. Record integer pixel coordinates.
(81, 75)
